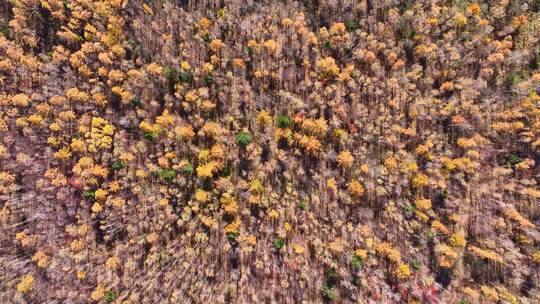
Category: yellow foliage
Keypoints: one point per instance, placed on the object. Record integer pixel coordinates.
(80, 274)
(356, 189)
(216, 45)
(514, 215)
(55, 127)
(97, 208)
(154, 69)
(338, 28)
(331, 184)
(328, 66)
(26, 284)
(315, 127)
(466, 143)
(390, 163)
(458, 240)
(100, 135)
(489, 293)
(287, 227)
(446, 255)
(77, 95)
(423, 204)
(273, 214)
(112, 263)
(229, 204)
(536, 257)
(20, 100)
(485, 254)
(438, 226)
(286, 22)
(165, 119)
(40, 258)
(185, 132)
(263, 118)
(118, 202)
(361, 253)
(471, 293)
(385, 249)
(420, 180)
(206, 170)
(201, 196)
(474, 8)
(298, 249)
(233, 227)
(336, 247)
(460, 20)
(208, 68)
(78, 145)
(62, 154)
(101, 195)
(98, 293)
(208, 222)
(126, 157)
(345, 159)
(250, 240)
(403, 271)
(203, 24)
(506, 296)
(271, 45)
(311, 145)
(35, 119)
(210, 129)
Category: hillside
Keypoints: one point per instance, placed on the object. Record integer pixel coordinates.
(242, 151)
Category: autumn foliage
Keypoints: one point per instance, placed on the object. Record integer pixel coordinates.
(348, 151)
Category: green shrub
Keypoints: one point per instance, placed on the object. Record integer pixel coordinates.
(303, 204)
(331, 273)
(221, 12)
(171, 73)
(328, 293)
(516, 78)
(117, 165)
(415, 264)
(166, 174)
(328, 45)
(136, 101)
(410, 208)
(283, 122)
(535, 6)
(279, 243)
(514, 160)
(208, 79)
(227, 171)
(243, 139)
(430, 234)
(443, 194)
(352, 26)
(356, 262)
(207, 38)
(89, 194)
(188, 169)
(4, 31)
(110, 296)
(185, 76)
(232, 236)
(150, 136)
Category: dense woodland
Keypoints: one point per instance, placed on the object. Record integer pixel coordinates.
(316, 151)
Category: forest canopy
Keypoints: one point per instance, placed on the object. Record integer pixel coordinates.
(316, 151)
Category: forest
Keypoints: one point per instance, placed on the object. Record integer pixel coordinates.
(269, 151)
